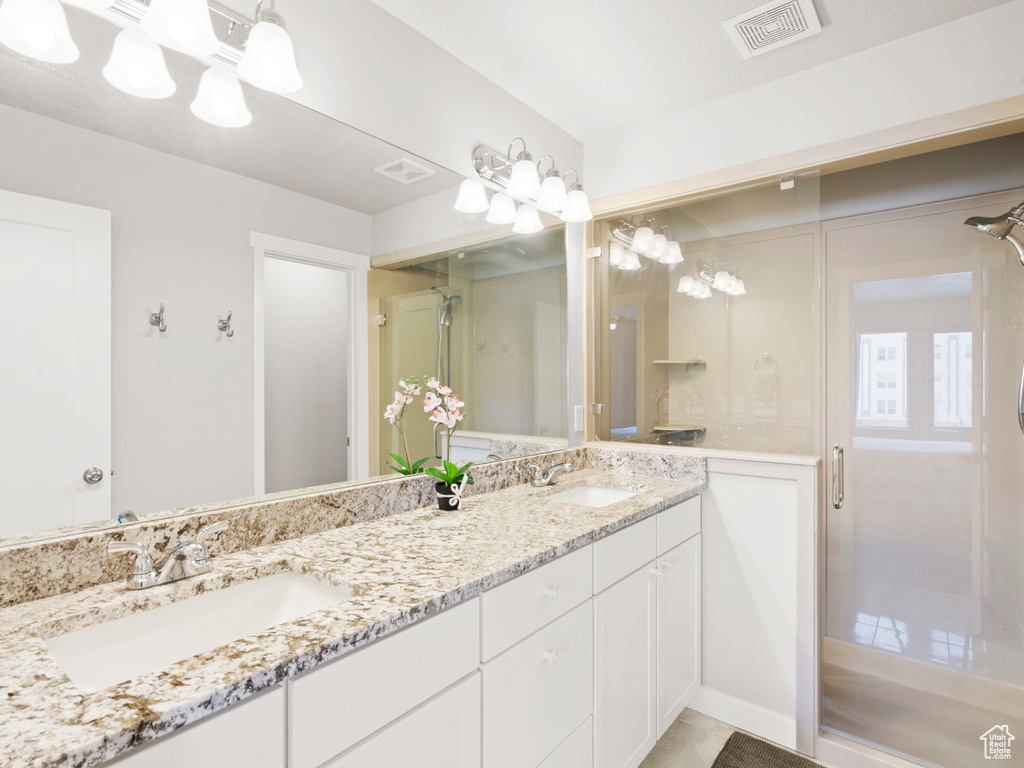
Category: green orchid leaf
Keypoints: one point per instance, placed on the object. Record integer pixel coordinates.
(416, 468)
(400, 461)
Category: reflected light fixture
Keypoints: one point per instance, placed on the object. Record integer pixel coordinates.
(675, 254)
(38, 29)
(527, 220)
(642, 238)
(502, 209)
(181, 25)
(631, 262)
(269, 58)
(220, 101)
(137, 67)
(92, 5)
(616, 254)
(472, 197)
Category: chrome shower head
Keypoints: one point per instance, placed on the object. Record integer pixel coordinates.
(1001, 227)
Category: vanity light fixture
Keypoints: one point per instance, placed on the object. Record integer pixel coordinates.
(220, 101)
(38, 29)
(722, 277)
(616, 254)
(269, 58)
(520, 179)
(527, 220)
(137, 67)
(631, 262)
(502, 209)
(650, 241)
(472, 197)
(181, 25)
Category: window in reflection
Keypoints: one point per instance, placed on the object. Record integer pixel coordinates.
(952, 352)
(882, 390)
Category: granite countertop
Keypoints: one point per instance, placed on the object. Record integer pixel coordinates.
(400, 569)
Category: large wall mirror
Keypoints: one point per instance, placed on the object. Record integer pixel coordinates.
(234, 270)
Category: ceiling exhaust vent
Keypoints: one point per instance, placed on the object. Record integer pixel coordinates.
(404, 170)
(772, 26)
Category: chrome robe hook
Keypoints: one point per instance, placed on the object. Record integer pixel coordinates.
(157, 319)
(225, 326)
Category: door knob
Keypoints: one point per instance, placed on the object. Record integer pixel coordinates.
(92, 475)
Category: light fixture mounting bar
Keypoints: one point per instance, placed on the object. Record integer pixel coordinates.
(491, 165)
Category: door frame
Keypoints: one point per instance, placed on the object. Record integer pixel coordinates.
(357, 267)
(92, 424)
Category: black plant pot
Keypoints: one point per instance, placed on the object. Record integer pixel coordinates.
(447, 501)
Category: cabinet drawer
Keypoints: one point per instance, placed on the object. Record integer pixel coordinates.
(678, 523)
(331, 708)
(522, 606)
(443, 733)
(618, 555)
(575, 752)
(250, 733)
(538, 692)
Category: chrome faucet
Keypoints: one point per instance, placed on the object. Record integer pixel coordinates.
(189, 558)
(542, 477)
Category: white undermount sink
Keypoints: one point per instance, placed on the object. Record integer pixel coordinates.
(591, 496)
(105, 654)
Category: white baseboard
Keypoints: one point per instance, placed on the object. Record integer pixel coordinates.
(746, 716)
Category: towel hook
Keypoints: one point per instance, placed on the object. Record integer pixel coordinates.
(765, 358)
(225, 325)
(157, 319)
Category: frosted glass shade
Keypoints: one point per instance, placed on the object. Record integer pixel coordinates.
(137, 67)
(738, 288)
(527, 220)
(702, 291)
(616, 254)
(577, 207)
(502, 210)
(472, 197)
(220, 100)
(660, 250)
(643, 240)
(524, 181)
(675, 254)
(182, 25)
(92, 5)
(723, 281)
(269, 59)
(552, 194)
(685, 284)
(631, 262)
(37, 28)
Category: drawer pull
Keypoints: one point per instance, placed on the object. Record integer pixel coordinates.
(552, 658)
(553, 593)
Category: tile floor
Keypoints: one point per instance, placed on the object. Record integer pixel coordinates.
(692, 741)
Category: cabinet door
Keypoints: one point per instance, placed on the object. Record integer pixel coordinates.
(625, 659)
(678, 630)
(443, 733)
(247, 735)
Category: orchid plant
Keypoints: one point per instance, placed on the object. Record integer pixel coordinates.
(409, 388)
(445, 408)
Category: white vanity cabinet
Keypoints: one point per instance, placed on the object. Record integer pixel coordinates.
(249, 735)
(647, 632)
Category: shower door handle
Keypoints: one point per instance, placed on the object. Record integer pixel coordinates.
(1020, 400)
(437, 453)
(838, 476)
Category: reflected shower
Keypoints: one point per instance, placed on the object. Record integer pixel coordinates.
(1001, 227)
(446, 305)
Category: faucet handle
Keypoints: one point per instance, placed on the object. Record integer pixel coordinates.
(537, 471)
(145, 574)
(220, 525)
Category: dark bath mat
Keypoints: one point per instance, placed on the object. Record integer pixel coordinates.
(743, 751)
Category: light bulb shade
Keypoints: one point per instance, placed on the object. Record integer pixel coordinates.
(660, 250)
(524, 181)
(675, 254)
(630, 262)
(738, 288)
(37, 28)
(269, 59)
(577, 207)
(92, 5)
(220, 100)
(552, 194)
(502, 210)
(182, 25)
(723, 281)
(527, 220)
(685, 284)
(137, 67)
(616, 254)
(705, 291)
(472, 197)
(643, 240)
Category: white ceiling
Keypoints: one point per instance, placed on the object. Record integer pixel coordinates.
(595, 67)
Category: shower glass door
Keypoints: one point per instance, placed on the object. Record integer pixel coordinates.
(923, 653)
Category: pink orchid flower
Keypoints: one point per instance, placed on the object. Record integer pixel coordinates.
(433, 383)
(449, 420)
(430, 402)
(452, 403)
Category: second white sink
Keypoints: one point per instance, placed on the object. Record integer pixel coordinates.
(591, 496)
(105, 654)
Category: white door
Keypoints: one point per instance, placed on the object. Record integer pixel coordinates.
(54, 363)
(625, 720)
